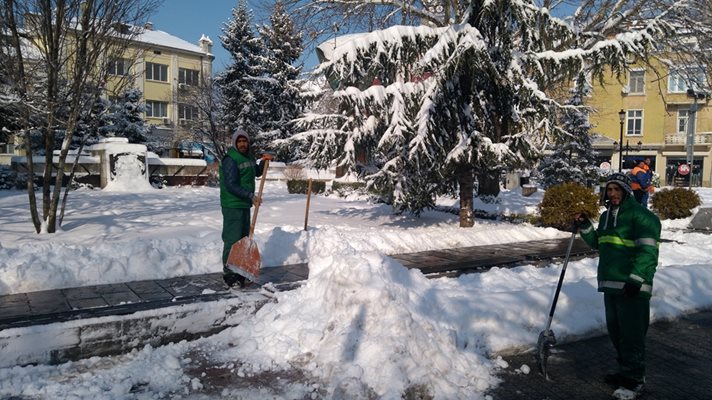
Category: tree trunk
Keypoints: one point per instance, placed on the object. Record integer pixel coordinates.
(465, 180)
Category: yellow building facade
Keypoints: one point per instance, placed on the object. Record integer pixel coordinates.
(661, 114)
(163, 67)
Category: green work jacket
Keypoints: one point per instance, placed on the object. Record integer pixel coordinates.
(627, 244)
(246, 171)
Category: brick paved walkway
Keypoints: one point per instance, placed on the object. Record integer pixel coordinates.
(679, 359)
(25, 309)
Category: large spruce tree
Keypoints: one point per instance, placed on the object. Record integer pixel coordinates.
(241, 83)
(426, 111)
(572, 157)
(282, 101)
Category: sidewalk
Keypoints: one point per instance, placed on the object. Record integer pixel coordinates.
(50, 306)
(679, 356)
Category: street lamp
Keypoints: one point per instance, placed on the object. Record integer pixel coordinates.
(621, 116)
(691, 130)
(628, 148)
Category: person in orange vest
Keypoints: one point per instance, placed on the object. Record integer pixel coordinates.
(640, 180)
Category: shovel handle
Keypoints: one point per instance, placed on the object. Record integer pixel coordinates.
(561, 280)
(259, 194)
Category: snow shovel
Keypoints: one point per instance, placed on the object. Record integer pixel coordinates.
(244, 258)
(547, 340)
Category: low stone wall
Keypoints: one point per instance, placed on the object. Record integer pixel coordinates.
(56, 343)
(178, 171)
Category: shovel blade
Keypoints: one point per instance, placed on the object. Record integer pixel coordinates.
(546, 341)
(244, 259)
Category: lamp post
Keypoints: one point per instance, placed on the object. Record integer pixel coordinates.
(691, 130)
(628, 148)
(621, 116)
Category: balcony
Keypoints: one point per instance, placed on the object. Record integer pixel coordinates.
(681, 138)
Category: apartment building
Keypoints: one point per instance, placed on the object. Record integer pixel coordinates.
(163, 67)
(660, 112)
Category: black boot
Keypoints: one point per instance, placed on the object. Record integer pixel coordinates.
(232, 280)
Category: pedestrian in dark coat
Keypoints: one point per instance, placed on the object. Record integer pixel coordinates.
(641, 178)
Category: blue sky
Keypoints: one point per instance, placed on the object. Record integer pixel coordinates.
(189, 19)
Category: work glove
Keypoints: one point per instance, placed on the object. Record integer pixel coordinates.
(581, 221)
(631, 289)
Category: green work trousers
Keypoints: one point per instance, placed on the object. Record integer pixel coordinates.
(236, 225)
(627, 319)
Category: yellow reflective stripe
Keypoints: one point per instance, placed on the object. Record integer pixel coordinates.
(616, 240)
(246, 164)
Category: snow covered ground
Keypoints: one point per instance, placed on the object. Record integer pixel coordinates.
(363, 325)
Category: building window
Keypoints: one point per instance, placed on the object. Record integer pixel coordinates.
(118, 67)
(156, 109)
(188, 76)
(683, 116)
(187, 112)
(635, 123)
(681, 79)
(156, 72)
(636, 82)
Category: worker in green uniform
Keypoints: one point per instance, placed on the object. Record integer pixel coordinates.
(627, 239)
(238, 171)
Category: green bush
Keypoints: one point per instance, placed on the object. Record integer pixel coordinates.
(674, 203)
(561, 202)
(345, 188)
(296, 186)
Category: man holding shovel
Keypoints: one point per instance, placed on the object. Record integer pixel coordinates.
(627, 240)
(238, 171)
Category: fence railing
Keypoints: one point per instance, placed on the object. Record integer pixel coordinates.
(681, 138)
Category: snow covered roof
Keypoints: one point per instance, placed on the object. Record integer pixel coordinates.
(161, 38)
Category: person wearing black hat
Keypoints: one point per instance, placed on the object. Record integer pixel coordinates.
(627, 239)
(238, 171)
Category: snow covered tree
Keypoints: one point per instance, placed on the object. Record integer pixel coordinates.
(126, 118)
(91, 122)
(425, 111)
(241, 83)
(283, 102)
(572, 157)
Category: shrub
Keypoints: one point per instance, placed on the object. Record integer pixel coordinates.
(674, 203)
(344, 188)
(301, 186)
(8, 179)
(561, 202)
(294, 172)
